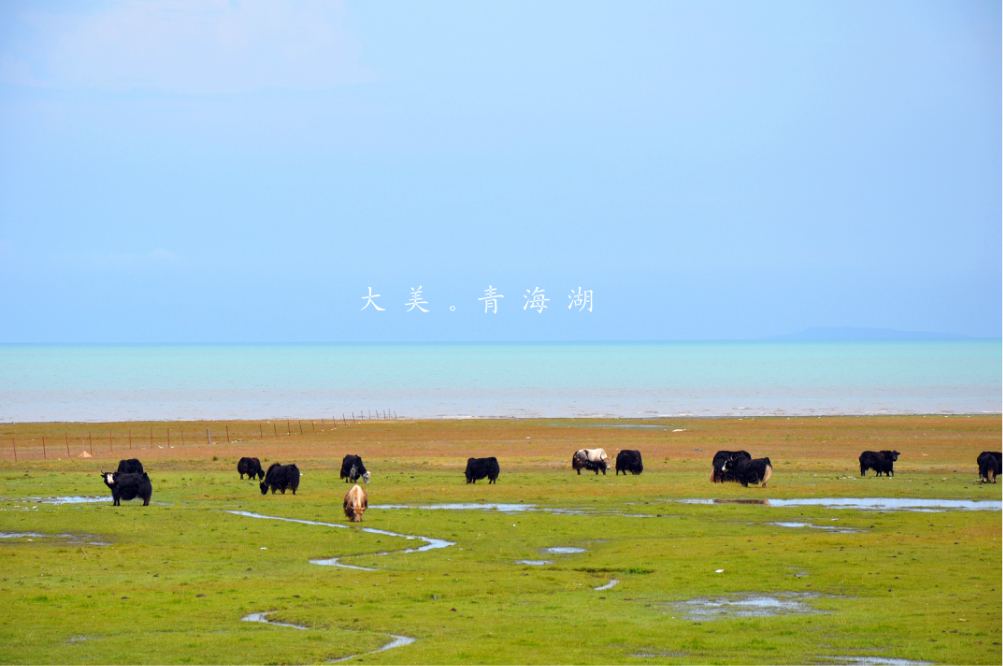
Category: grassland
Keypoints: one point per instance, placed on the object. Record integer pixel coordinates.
(174, 579)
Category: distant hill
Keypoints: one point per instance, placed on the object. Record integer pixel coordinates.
(854, 333)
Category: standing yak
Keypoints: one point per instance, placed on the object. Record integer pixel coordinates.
(281, 477)
(879, 461)
(251, 467)
(593, 460)
(717, 471)
(989, 465)
(478, 468)
(629, 460)
(352, 469)
(125, 486)
(758, 470)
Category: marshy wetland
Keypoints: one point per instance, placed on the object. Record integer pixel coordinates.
(664, 567)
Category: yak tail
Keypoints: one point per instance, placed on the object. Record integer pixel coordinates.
(767, 475)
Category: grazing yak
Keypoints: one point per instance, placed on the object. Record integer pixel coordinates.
(629, 460)
(879, 461)
(478, 468)
(591, 459)
(758, 470)
(989, 465)
(717, 471)
(356, 501)
(251, 467)
(130, 466)
(128, 486)
(281, 477)
(352, 469)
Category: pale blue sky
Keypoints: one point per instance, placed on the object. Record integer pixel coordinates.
(236, 171)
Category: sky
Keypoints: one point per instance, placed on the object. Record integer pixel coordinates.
(245, 172)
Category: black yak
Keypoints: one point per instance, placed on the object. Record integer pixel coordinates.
(478, 468)
(717, 471)
(989, 465)
(251, 467)
(629, 460)
(127, 487)
(352, 469)
(879, 461)
(758, 470)
(281, 477)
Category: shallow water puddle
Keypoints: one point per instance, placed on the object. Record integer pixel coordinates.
(263, 618)
(431, 544)
(563, 550)
(875, 503)
(749, 605)
(70, 500)
(828, 528)
(333, 562)
(398, 641)
(607, 586)
(470, 506)
(534, 563)
(77, 538)
(79, 499)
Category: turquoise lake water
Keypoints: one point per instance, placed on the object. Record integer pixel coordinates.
(631, 380)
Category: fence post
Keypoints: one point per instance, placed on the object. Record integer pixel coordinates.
(90, 443)
(301, 426)
(44, 456)
(182, 435)
(67, 444)
(289, 430)
(111, 447)
(14, 444)
(227, 433)
(208, 437)
(261, 431)
(314, 429)
(151, 438)
(130, 439)
(343, 421)
(168, 438)
(275, 430)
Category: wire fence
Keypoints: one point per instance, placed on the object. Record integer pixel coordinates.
(93, 442)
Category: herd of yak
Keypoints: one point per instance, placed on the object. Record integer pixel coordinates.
(131, 481)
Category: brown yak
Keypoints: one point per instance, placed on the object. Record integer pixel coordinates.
(356, 501)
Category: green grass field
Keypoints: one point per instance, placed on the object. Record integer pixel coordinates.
(174, 579)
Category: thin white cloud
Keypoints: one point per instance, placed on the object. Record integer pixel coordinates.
(180, 46)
